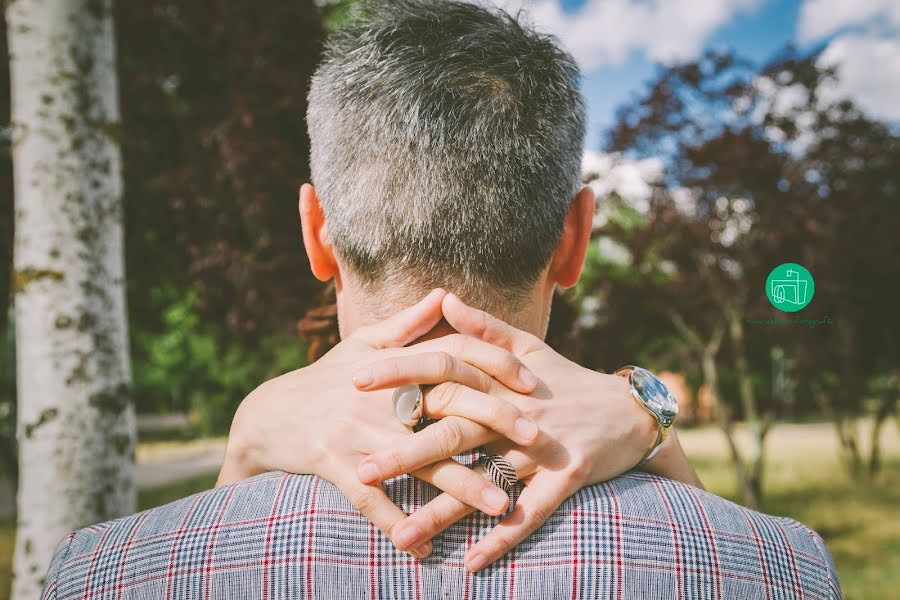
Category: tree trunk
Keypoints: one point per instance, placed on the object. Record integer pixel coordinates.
(845, 427)
(76, 427)
(887, 405)
(757, 423)
(747, 485)
(708, 350)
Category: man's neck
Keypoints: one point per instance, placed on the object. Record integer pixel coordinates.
(357, 309)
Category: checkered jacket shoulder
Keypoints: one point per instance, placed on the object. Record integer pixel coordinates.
(295, 536)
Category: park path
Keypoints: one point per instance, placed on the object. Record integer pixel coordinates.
(157, 465)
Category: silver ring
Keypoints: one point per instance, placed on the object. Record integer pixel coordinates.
(500, 471)
(408, 404)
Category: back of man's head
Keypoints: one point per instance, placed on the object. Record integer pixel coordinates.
(446, 148)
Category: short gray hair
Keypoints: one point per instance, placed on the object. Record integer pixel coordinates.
(446, 143)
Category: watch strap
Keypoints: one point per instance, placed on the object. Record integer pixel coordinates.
(661, 429)
(660, 438)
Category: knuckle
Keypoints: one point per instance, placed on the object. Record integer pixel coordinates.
(502, 545)
(472, 483)
(392, 368)
(481, 324)
(497, 413)
(450, 437)
(578, 470)
(395, 462)
(444, 364)
(492, 412)
(509, 412)
(485, 382)
(441, 398)
(389, 339)
(433, 521)
(364, 500)
(457, 343)
(536, 515)
(536, 411)
(511, 364)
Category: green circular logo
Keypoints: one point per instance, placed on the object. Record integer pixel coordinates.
(790, 287)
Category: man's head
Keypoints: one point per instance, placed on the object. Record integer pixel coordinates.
(446, 144)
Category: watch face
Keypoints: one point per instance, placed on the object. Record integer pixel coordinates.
(654, 394)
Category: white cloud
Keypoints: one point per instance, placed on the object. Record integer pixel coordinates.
(868, 71)
(821, 18)
(606, 31)
(865, 50)
(631, 179)
(787, 101)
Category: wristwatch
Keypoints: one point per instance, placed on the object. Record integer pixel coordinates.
(655, 397)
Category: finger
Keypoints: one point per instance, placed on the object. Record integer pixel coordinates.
(466, 485)
(456, 393)
(540, 498)
(375, 505)
(406, 325)
(479, 324)
(497, 362)
(448, 508)
(453, 400)
(430, 520)
(428, 368)
(438, 441)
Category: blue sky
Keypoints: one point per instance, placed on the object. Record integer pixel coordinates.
(756, 35)
(618, 42)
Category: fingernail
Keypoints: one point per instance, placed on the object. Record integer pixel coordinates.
(367, 472)
(406, 536)
(423, 550)
(494, 498)
(474, 562)
(362, 378)
(527, 377)
(526, 429)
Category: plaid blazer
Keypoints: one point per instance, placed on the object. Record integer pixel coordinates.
(295, 536)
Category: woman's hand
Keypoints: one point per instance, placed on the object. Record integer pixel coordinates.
(315, 421)
(591, 431)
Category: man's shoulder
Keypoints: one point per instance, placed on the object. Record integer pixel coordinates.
(645, 528)
(150, 547)
(656, 520)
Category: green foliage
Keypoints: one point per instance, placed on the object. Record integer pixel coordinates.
(824, 196)
(214, 147)
(193, 367)
(336, 13)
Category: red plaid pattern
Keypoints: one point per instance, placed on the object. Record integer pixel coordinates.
(295, 536)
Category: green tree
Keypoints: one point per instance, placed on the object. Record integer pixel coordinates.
(760, 166)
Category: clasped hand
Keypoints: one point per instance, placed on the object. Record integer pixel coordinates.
(562, 426)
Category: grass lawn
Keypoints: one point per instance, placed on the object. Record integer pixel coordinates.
(803, 480)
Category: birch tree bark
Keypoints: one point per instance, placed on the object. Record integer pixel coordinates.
(76, 427)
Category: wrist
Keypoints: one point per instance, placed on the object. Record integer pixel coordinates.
(671, 463)
(656, 464)
(652, 395)
(645, 429)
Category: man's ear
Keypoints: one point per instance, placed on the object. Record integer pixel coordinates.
(315, 235)
(567, 261)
